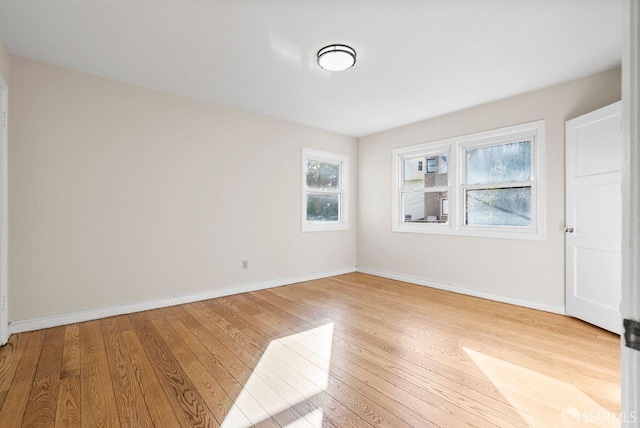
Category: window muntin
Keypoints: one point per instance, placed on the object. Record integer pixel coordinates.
(494, 184)
(324, 191)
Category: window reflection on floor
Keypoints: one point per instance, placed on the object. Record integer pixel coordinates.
(557, 402)
(292, 370)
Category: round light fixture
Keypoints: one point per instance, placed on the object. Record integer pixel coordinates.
(336, 57)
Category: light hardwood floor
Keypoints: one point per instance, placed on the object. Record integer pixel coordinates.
(348, 351)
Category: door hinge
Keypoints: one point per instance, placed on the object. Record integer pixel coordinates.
(632, 334)
(4, 303)
(4, 118)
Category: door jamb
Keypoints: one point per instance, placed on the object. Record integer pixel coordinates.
(630, 307)
(4, 212)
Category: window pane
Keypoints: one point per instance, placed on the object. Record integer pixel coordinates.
(323, 208)
(499, 207)
(425, 207)
(499, 164)
(429, 171)
(322, 175)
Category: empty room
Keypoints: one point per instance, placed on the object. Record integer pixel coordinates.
(236, 213)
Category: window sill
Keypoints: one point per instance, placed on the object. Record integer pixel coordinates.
(479, 232)
(319, 227)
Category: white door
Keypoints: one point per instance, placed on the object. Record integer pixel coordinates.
(594, 217)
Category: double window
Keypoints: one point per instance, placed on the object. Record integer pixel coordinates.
(485, 184)
(324, 191)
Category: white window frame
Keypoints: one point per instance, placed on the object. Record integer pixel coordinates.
(457, 148)
(422, 151)
(342, 191)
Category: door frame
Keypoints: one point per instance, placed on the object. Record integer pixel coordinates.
(630, 307)
(4, 212)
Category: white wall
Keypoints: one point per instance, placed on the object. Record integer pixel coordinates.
(120, 194)
(528, 270)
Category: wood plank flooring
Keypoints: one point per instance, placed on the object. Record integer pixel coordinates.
(348, 351)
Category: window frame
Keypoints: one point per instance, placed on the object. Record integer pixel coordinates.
(342, 190)
(431, 151)
(456, 163)
(493, 142)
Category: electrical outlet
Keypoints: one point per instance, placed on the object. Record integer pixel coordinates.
(245, 264)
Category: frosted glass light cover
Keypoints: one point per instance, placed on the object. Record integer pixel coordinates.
(336, 57)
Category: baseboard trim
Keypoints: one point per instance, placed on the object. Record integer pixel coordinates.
(128, 308)
(556, 309)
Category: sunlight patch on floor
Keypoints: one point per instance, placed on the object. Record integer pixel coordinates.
(284, 378)
(315, 418)
(553, 401)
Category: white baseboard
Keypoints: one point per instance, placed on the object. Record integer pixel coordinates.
(128, 308)
(556, 309)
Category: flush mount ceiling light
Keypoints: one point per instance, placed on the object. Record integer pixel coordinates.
(336, 57)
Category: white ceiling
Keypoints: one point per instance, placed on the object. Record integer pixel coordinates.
(415, 59)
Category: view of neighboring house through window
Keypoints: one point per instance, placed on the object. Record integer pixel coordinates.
(493, 187)
(423, 192)
(431, 165)
(324, 191)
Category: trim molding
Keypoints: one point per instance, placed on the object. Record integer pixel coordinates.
(556, 309)
(630, 308)
(4, 213)
(145, 305)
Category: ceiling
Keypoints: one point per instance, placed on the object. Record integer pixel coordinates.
(415, 59)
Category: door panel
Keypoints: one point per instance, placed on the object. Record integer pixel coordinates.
(593, 203)
(591, 158)
(594, 217)
(589, 282)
